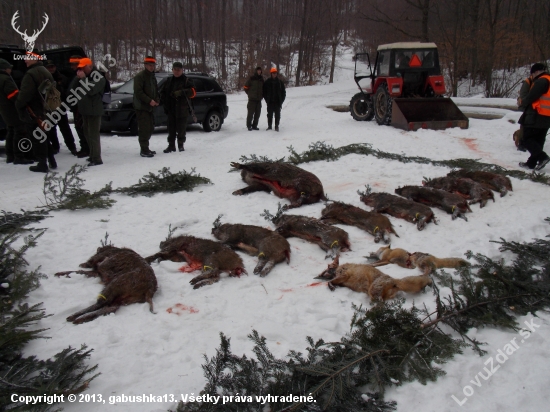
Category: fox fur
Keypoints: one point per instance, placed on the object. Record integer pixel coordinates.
(428, 263)
(369, 280)
(387, 255)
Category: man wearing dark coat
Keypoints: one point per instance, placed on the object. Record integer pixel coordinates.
(62, 84)
(274, 95)
(30, 106)
(15, 145)
(254, 89)
(146, 97)
(175, 95)
(536, 118)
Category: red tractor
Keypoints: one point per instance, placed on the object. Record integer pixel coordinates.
(405, 89)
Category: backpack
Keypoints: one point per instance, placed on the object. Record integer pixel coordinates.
(50, 95)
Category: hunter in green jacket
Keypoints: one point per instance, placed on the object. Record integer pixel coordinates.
(146, 97)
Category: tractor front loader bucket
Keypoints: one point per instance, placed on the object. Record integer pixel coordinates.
(435, 113)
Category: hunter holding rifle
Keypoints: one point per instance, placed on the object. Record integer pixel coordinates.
(30, 106)
(175, 95)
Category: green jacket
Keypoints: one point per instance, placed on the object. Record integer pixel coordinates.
(254, 88)
(91, 104)
(28, 93)
(8, 95)
(145, 90)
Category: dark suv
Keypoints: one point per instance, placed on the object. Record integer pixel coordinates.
(210, 105)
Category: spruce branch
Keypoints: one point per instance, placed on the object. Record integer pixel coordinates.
(165, 182)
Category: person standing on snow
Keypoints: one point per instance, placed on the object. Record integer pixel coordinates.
(146, 97)
(274, 95)
(536, 118)
(254, 89)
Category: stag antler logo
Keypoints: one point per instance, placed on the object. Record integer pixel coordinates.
(29, 40)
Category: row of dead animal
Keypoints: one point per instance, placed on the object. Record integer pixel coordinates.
(128, 278)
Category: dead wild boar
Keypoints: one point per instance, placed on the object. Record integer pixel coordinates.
(284, 180)
(449, 202)
(399, 207)
(374, 223)
(212, 257)
(270, 247)
(369, 280)
(332, 240)
(127, 277)
(492, 181)
(463, 186)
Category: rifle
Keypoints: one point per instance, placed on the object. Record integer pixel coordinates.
(190, 108)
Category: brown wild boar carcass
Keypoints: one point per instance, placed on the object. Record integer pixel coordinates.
(212, 257)
(369, 280)
(399, 207)
(284, 180)
(374, 223)
(127, 277)
(270, 247)
(492, 181)
(332, 240)
(462, 186)
(449, 202)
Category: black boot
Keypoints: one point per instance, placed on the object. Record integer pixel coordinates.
(180, 147)
(171, 148)
(40, 167)
(52, 162)
(10, 159)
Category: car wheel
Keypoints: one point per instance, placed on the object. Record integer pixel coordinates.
(360, 107)
(134, 126)
(212, 122)
(382, 105)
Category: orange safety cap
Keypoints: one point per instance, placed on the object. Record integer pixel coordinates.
(84, 62)
(273, 70)
(150, 60)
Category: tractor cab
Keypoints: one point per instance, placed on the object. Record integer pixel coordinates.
(404, 77)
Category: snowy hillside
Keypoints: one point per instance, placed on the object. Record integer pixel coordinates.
(141, 353)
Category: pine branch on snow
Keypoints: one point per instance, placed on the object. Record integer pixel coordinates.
(66, 192)
(14, 222)
(165, 182)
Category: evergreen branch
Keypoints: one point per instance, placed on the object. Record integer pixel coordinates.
(14, 222)
(165, 182)
(450, 315)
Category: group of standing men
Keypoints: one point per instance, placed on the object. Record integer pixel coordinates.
(272, 91)
(24, 112)
(175, 96)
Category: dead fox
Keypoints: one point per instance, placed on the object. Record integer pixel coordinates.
(387, 255)
(369, 280)
(428, 263)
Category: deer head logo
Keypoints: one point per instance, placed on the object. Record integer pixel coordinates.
(29, 40)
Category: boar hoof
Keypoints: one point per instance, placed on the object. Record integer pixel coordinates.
(331, 286)
(238, 192)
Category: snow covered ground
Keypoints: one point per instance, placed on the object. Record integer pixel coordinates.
(141, 353)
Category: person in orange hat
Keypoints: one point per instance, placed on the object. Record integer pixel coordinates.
(274, 95)
(146, 97)
(84, 151)
(90, 106)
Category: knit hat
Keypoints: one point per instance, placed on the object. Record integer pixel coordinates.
(273, 70)
(177, 65)
(258, 68)
(4, 64)
(75, 59)
(49, 63)
(149, 59)
(537, 67)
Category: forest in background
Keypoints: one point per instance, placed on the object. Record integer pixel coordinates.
(479, 40)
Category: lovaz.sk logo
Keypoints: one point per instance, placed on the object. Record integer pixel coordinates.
(29, 40)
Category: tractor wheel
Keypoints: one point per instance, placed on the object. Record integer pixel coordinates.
(360, 107)
(382, 105)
